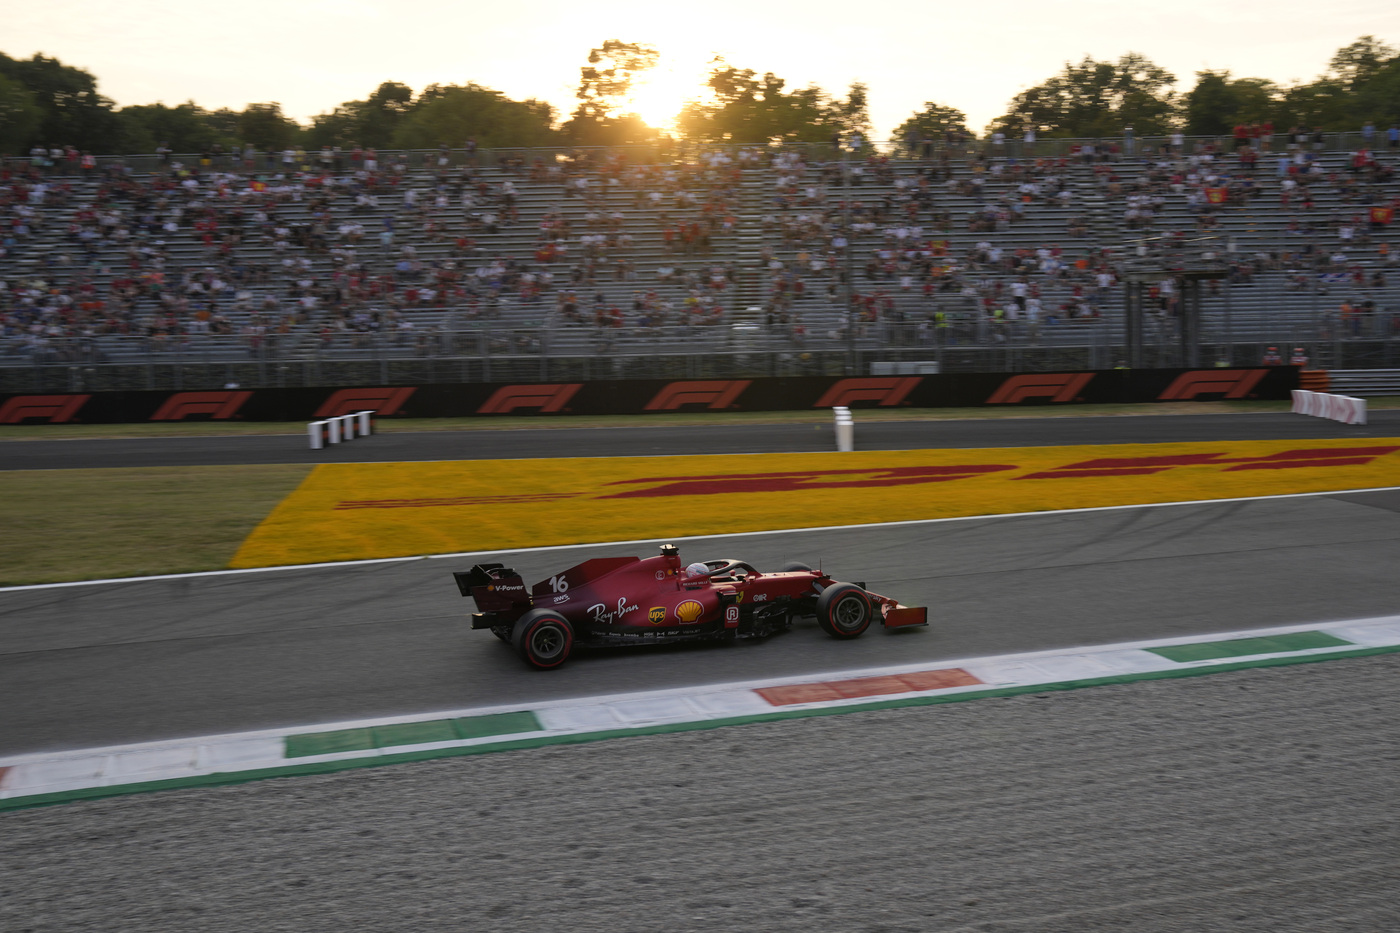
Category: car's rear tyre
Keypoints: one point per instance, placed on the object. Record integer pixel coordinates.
(792, 565)
(844, 610)
(543, 638)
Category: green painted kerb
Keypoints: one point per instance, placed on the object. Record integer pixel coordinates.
(1247, 647)
(411, 733)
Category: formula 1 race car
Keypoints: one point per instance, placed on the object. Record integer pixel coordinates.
(614, 601)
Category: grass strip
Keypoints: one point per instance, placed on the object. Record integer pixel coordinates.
(328, 767)
(64, 525)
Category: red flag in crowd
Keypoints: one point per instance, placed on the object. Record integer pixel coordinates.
(1215, 195)
(1382, 215)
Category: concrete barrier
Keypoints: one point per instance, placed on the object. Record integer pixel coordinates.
(1344, 408)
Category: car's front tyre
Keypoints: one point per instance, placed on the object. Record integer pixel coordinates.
(844, 610)
(543, 638)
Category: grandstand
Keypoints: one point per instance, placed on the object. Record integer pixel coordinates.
(708, 262)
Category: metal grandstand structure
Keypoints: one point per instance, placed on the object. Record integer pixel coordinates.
(1249, 279)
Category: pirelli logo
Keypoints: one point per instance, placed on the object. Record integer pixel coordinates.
(56, 409)
(1057, 387)
(382, 401)
(715, 394)
(543, 397)
(219, 406)
(1227, 383)
(884, 391)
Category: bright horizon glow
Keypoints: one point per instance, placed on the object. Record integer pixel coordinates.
(658, 95)
(312, 56)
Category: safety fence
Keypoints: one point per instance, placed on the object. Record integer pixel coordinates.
(1118, 146)
(494, 353)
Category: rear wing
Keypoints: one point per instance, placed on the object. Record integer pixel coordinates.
(494, 587)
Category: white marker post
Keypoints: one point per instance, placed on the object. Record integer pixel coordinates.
(339, 428)
(845, 429)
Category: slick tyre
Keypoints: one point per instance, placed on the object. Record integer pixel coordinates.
(844, 610)
(792, 565)
(543, 638)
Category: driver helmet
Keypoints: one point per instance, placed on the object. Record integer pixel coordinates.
(697, 569)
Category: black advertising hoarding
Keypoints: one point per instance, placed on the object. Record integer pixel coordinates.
(640, 397)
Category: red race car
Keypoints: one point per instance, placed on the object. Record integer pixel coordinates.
(614, 601)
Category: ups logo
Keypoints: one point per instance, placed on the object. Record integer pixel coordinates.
(689, 611)
(656, 615)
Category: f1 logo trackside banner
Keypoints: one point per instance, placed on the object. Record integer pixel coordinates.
(1057, 387)
(644, 396)
(882, 390)
(1227, 383)
(542, 398)
(382, 401)
(220, 406)
(715, 394)
(55, 409)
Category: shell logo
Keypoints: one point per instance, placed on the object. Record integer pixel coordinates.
(689, 611)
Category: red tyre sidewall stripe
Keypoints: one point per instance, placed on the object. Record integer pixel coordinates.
(568, 640)
(869, 609)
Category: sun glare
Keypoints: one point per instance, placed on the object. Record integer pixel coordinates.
(658, 96)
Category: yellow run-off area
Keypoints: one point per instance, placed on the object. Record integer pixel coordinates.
(368, 510)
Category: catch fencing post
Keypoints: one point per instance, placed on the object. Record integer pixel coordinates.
(364, 421)
(317, 432)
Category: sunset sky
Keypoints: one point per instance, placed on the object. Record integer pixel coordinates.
(314, 54)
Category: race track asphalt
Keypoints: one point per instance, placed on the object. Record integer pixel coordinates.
(645, 440)
(144, 660)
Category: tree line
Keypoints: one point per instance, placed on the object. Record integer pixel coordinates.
(45, 102)
(1100, 98)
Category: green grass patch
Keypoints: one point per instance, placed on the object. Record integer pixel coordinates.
(90, 524)
(519, 422)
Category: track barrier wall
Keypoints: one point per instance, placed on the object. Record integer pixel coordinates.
(1343, 408)
(625, 397)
